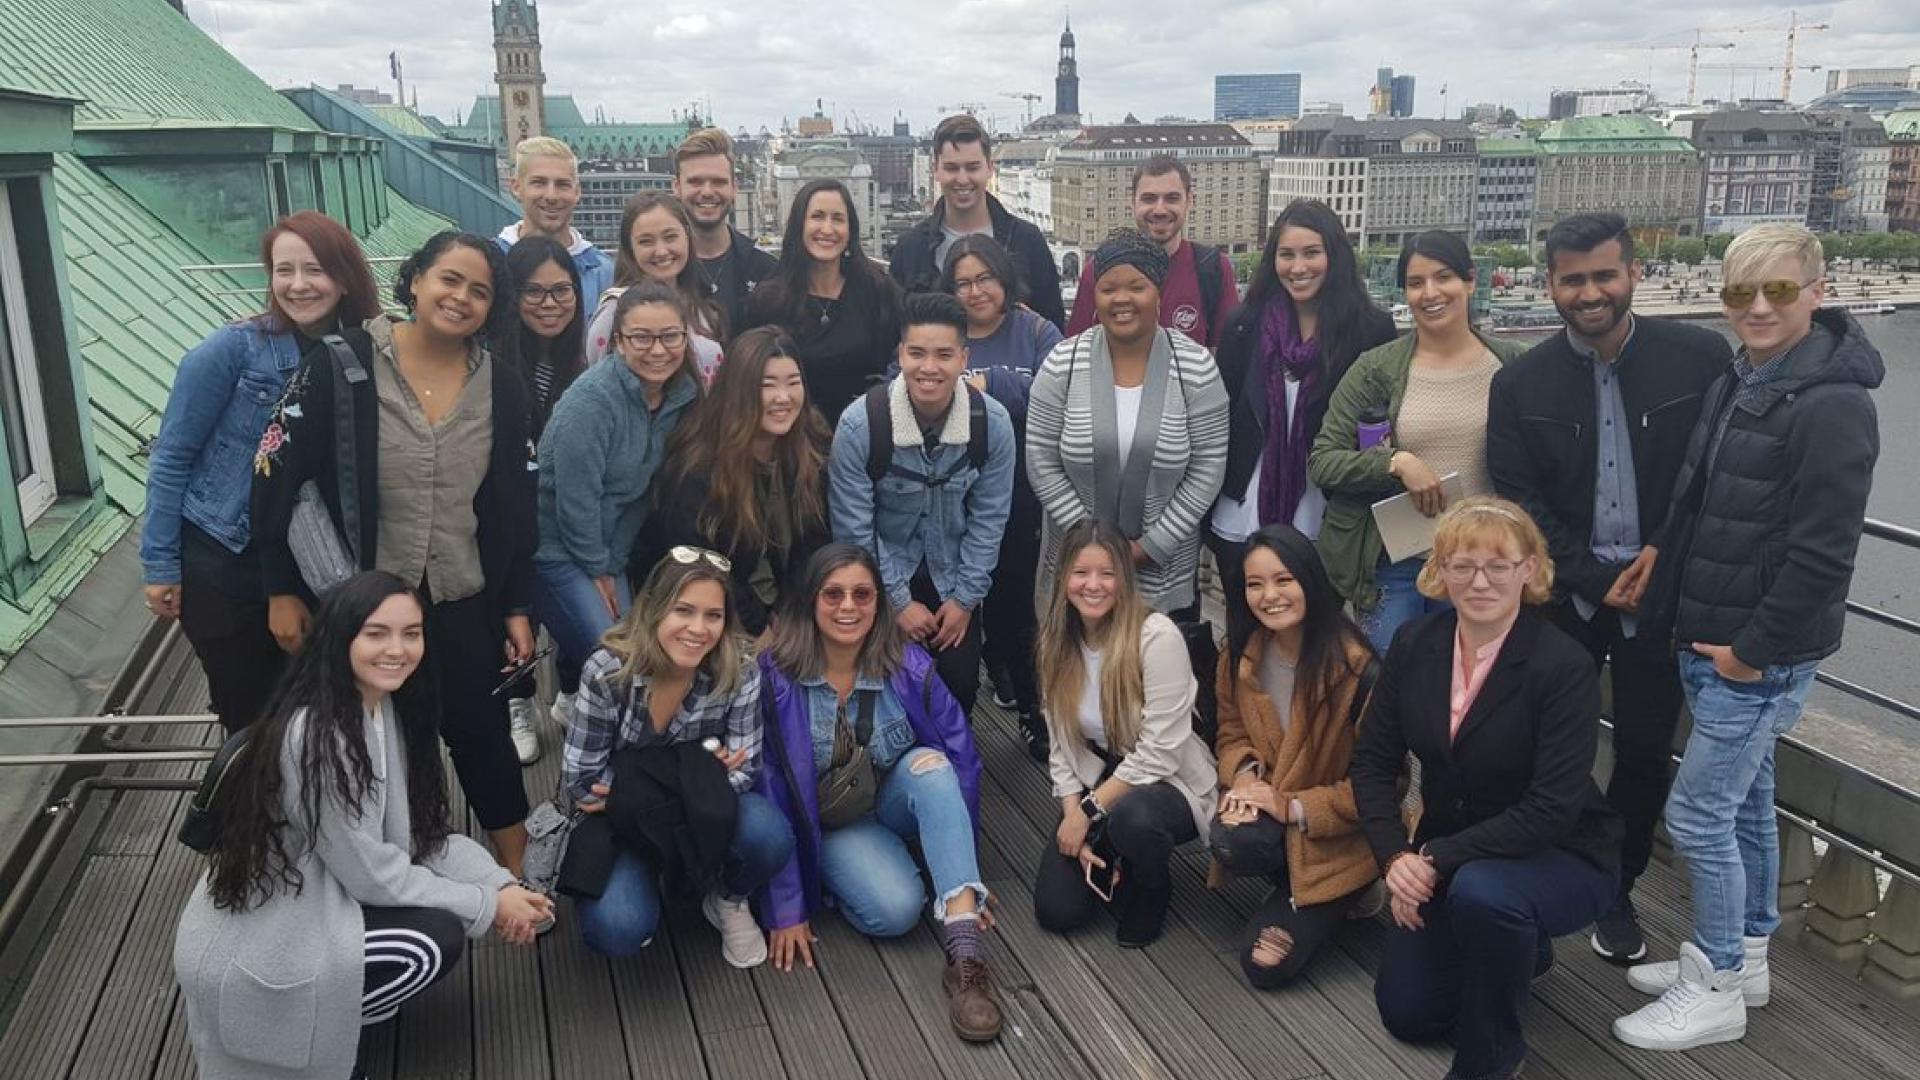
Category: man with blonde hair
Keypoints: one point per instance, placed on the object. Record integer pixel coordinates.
(703, 178)
(546, 183)
(1753, 564)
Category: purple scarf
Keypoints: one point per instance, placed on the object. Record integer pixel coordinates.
(1283, 461)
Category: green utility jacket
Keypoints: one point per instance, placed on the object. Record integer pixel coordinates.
(1354, 480)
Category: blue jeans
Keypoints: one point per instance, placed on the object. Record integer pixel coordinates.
(1400, 602)
(569, 605)
(623, 920)
(1721, 809)
(867, 868)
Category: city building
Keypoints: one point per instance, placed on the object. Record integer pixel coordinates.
(1387, 179)
(590, 141)
(1264, 134)
(892, 158)
(362, 96)
(1759, 166)
(1842, 78)
(605, 187)
(1256, 97)
(1503, 190)
(1903, 171)
(1625, 98)
(833, 158)
(518, 73)
(1023, 180)
(1401, 97)
(1323, 108)
(1093, 175)
(1850, 159)
(1066, 80)
(1628, 164)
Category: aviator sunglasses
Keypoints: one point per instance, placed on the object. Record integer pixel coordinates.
(1783, 291)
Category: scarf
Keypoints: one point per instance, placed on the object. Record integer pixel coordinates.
(1283, 460)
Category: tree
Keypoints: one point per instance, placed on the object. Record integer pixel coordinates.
(1687, 251)
(1717, 244)
(1508, 118)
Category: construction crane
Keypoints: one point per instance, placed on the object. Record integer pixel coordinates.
(1733, 71)
(1786, 72)
(1024, 95)
(1693, 59)
(971, 108)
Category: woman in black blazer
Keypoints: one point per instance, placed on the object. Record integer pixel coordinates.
(1515, 844)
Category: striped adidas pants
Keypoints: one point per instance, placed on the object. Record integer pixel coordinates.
(407, 950)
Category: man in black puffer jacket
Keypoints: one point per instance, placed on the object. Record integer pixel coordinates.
(1756, 557)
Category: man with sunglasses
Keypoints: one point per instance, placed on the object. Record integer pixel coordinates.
(1757, 555)
(1587, 431)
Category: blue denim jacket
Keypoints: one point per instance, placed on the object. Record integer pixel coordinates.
(892, 733)
(954, 526)
(200, 468)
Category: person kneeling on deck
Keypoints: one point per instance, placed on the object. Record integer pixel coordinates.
(664, 742)
(336, 887)
(1515, 844)
(867, 752)
(1293, 681)
(1133, 779)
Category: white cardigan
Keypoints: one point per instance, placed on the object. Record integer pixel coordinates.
(1167, 748)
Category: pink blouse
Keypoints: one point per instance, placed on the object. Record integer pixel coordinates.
(1467, 684)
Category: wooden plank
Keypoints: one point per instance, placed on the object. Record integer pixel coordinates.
(45, 1031)
(721, 997)
(176, 1052)
(806, 1028)
(662, 1043)
(509, 1011)
(583, 1021)
(871, 1008)
(377, 1049)
(433, 1036)
(745, 1053)
(916, 964)
(1077, 995)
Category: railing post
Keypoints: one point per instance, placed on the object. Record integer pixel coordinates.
(1797, 862)
(1893, 960)
(1844, 894)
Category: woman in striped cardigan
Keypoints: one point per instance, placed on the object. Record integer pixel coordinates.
(1127, 422)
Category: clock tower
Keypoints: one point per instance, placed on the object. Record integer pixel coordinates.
(517, 71)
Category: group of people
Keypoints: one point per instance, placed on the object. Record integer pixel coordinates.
(776, 513)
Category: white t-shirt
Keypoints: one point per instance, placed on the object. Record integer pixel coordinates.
(1092, 725)
(1126, 415)
(1236, 519)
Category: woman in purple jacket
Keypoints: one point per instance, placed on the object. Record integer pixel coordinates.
(840, 683)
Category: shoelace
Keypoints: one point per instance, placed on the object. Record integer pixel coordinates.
(973, 974)
(1680, 998)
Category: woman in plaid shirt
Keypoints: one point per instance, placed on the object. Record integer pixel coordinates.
(673, 671)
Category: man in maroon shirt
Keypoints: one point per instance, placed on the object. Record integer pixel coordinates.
(1162, 197)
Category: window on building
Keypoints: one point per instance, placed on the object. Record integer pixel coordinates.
(319, 183)
(22, 412)
(278, 192)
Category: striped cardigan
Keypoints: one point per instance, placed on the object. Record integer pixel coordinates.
(1187, 438)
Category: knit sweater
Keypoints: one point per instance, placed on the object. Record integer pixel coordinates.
(1443, 421)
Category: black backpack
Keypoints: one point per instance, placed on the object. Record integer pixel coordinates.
(880, 437)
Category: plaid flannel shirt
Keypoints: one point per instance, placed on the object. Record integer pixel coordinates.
(603, 723)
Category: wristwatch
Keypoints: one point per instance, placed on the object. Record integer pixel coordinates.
(1090, 806)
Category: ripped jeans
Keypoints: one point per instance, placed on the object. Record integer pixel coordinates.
(867, 868)
(1280, 939)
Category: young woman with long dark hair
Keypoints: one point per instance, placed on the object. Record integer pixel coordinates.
(198, 558)
(656, 244)
(1305, 318)
(1133, 779)
(550, 348)
(337, 886)
(765, 509)
(838, 305)
(1292, 682)
(442, 497)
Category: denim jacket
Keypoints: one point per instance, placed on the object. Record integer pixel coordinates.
(953, 524)
(892, 734)
(200, 468)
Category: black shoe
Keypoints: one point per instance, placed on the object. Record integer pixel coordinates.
(1542, 958)
(1616, 935)
(1142, 913)
(1512, 1075)
(1002, 686)
(1033, 729)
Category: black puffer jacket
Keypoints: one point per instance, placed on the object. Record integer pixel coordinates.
(914, 270)
(1758, 548)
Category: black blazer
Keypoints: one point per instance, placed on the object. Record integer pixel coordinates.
(1519, 777)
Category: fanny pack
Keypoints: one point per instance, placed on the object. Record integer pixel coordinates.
(197, 826)
(848, 787)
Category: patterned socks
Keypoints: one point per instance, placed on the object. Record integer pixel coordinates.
(960, 936)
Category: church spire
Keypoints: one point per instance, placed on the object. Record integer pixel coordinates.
(1066, 81)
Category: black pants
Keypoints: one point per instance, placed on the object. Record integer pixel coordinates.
(1010, 623)
(959, 666)
(223, 613)
(1228, 558)
(1259, 849)
(464, 654)
(1142, 830)
(408, 949)
(1646, 707)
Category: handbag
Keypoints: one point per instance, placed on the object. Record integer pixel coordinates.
(326, 557)
(549, 830)
(197, 826)
(848, 788)
(315, 542)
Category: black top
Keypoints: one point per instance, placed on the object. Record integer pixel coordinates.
(846, 344)
(914, 269)
(731, 278)
(1516, 780)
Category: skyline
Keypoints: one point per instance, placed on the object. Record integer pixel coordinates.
(740, 56)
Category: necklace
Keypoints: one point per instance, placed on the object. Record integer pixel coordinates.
(826, 309)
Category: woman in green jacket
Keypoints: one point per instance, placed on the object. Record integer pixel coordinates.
(1428, 389)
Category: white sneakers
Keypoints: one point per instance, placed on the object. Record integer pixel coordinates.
(741, 942)
(526, 741)
(561, 711)
(1756, 980)
(1700, 1006)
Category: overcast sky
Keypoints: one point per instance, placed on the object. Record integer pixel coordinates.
(759, 61)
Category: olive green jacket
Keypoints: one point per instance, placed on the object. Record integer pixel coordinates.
(1354, 480)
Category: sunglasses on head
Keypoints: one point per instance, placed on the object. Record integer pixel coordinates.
(687, 555)
(1783, 291)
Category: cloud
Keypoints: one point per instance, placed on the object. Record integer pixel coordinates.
(761, 61)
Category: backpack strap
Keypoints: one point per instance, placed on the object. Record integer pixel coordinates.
(1206, 266)
(880, 461)
(879, 433)
(976, 428)
(348, 374)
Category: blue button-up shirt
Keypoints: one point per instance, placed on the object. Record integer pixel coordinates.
(1616, 500)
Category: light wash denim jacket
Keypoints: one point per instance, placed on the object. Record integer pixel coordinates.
(954, 526)
(200, 468)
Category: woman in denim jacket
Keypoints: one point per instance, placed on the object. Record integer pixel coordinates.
(197, 558)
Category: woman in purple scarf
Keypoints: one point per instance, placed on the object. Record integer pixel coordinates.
(1306, 317)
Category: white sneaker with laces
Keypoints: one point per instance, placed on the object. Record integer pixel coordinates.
(561, 711)
(1756, 979)
(526, 741)
(741, 942)
(1703, 1006)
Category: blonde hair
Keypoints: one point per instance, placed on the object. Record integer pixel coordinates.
(1755, 251)
(1485, 517)
(1062, 670)
(702, 143)
(635, 639)
(542, 146)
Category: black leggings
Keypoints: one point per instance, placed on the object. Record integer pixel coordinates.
(223, 613)
(464, 652)
(1292, 935)
(1142, 830)
(958, 665)
(1010, 623)
(408, 949)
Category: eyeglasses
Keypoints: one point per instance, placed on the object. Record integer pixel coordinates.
(962, 286)
(642, 340)
(1784, 291)
(535, 295)
(835, 595)
(687, 555)
(1461, 572)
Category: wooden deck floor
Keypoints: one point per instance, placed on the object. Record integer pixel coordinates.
(100, 1001)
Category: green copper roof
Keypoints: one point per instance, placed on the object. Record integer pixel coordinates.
(1627, 134)
(132, 58)
(1506, 147)
(1904, 125)
(564, 122)
(404, 120)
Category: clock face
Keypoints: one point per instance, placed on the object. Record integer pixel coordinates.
(520, 98)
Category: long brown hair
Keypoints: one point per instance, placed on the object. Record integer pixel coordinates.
(1062, 669)
(338, 253)
(691, 281)
(635, 639)
(796, 647)
(713, 445)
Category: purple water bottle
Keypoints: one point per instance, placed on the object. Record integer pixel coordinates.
(1374, 427)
